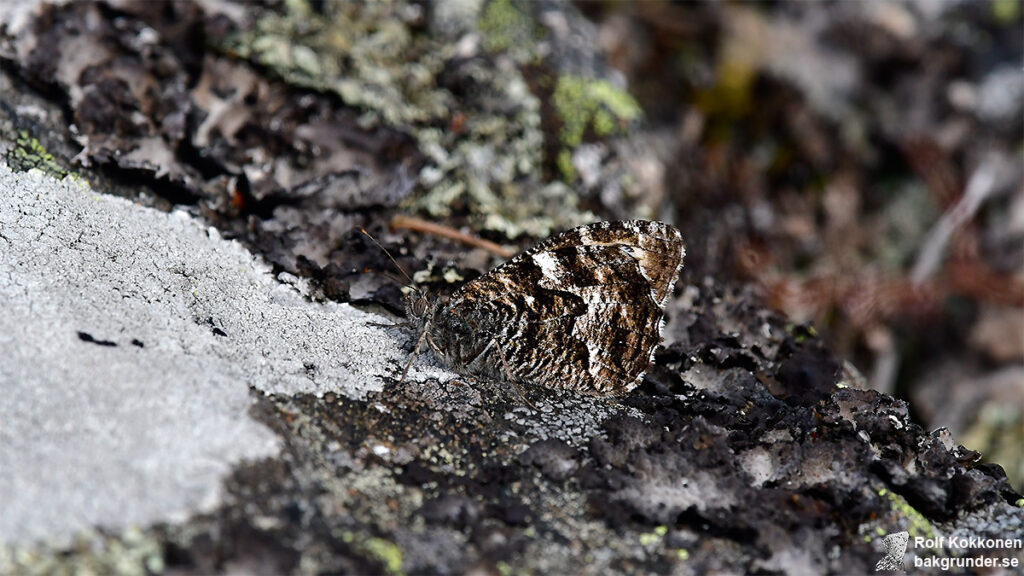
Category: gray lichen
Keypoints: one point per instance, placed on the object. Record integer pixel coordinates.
(485, 145)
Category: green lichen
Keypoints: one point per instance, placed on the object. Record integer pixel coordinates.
(917, 524)
(504, 27)
(682, 554)
(27, 153)
(589, 105)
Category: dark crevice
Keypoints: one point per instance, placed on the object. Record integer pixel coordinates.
(86, 337)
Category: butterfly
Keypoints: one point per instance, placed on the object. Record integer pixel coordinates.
(582, 310)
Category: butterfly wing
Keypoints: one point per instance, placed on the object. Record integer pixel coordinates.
(582, 310)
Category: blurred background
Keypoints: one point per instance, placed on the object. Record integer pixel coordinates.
(860, 163)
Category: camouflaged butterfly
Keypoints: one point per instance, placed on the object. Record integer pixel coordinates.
(582, 310)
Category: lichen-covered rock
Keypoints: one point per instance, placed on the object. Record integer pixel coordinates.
(749, 448)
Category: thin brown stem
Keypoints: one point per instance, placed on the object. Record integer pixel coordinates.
(402, 222)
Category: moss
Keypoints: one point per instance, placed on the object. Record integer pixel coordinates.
(587, 104)
(27, 153)
(917, 524)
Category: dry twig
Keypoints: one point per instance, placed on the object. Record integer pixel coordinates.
(401, 222)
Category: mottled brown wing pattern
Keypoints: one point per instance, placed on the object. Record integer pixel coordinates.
(582, 310)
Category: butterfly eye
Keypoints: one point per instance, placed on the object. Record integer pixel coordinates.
(419, 307)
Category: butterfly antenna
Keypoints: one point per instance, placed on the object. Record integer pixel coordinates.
(393, 278)
(393, 261)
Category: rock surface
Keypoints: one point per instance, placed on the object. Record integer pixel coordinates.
(131, 340)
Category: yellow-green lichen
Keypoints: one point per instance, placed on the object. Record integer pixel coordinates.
(589, 105)
(651, 538)
(683, 554)
(648, 539)
(387, 553)
(27, 153)
(917, 524)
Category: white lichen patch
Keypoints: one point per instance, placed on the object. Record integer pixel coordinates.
(131, 339)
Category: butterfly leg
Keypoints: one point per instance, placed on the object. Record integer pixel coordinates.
(392, 325)
(415, 353)
(433, 346)
(437, 351)
(508, 374)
